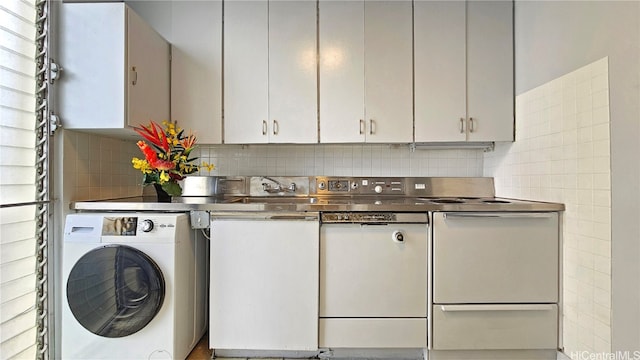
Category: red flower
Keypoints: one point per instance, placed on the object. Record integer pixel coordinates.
(155, 134)
(152, 157)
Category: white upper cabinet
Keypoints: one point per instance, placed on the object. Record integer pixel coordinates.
(490, 93)
(365, 71)
(270, 72)
(463, 71)
(116, 69)
(196, 68)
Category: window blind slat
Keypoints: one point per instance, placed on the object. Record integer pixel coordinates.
(19, 64)
(17, 231)
(12, 156)
(17, 43)
(18, 119)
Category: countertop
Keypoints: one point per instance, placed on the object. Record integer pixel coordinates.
(313, 204)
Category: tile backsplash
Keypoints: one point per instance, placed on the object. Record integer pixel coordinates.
(339, 160)
(562, 154)
(99, 167)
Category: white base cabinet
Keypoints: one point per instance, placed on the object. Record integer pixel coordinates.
(264, 284)
(495, 280)
(116, 69)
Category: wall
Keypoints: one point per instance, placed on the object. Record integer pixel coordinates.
(340, 160)
(97, 167)
(561, 154)
(555, 37)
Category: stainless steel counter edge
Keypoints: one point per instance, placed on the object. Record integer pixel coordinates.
(133, 205)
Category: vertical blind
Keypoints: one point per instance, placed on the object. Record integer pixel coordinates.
(20, 189)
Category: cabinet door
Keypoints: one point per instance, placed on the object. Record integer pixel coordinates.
(440, 70)
(196, 68)
(264, 284)
(490, 70)
(246, 69)
(507, 257)
(388, 71)
(341, 36)
(293, 97)
(94, 60)
(364, 273)
(148, 96)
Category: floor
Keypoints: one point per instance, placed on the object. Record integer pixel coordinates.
(201, 351)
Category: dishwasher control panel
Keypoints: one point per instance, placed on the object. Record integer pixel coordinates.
(378, 217)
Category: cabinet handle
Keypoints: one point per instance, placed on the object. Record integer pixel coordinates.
(264, 127)
(133, 75)
(371, 127)
(497, 307)
(461, 125)
(501, 215)
(276, 127)
(471, 127)
(361, 126)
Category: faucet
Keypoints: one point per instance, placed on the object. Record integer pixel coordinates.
(276, 186)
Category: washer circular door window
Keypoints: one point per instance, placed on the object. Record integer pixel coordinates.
(115, 291)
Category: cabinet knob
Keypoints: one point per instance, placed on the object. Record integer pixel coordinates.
(398, 236)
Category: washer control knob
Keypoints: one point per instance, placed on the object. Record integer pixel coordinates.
(146, 225)
(377, 189)
(398, 236)
(322, 185)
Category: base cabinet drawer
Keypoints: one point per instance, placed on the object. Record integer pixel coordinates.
(495, 327)
(373, 333)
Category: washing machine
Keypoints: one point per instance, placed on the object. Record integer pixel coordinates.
(134, 286)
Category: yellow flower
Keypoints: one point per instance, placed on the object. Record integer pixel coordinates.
(208, 166)
(164, 177)
(141, 165)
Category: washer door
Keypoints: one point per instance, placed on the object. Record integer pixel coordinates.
(115, 291)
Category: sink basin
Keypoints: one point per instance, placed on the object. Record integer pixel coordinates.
(273, 200)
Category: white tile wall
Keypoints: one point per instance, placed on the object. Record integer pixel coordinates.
(97, 167)
(561, 153)
(339, 160)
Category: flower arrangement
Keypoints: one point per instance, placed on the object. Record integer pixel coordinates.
(167, 158)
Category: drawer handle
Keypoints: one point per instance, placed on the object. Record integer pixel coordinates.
(499, 307)
(498, 215)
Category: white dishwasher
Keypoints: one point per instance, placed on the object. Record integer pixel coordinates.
(373, 280)
(495, 280)
(264, 281)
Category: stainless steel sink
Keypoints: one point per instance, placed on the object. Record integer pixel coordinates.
(284, 200)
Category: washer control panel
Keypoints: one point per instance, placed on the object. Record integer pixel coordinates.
(134, 225)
